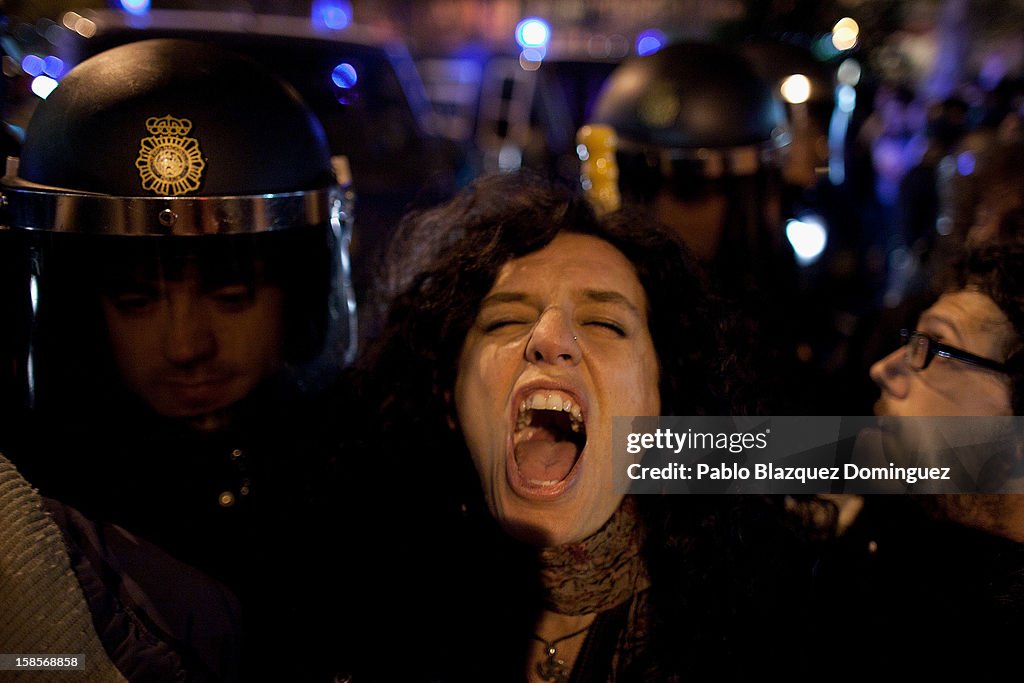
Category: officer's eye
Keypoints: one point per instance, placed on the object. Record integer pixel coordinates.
(133, 302)
(233, 297)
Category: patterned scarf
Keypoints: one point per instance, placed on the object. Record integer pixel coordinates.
(599, 572)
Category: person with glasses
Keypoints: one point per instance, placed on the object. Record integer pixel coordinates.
(942, 571)
(953, 363)
(920, 349)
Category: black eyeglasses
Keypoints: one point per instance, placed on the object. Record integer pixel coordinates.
(920, 349)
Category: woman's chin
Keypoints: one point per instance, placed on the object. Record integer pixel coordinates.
(551, 525)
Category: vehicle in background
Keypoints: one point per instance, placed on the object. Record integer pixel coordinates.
(514, 111)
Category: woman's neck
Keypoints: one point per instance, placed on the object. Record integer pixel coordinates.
(581, 580)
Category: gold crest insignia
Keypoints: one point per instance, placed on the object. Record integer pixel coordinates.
(169, 163)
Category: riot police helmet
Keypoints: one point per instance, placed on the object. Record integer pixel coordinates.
(688, 115)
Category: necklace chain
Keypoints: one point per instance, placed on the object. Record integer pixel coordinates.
(551, 668)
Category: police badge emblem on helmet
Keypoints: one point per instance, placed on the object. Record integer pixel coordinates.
(169, 163)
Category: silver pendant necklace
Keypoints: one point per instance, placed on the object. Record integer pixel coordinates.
(551, 668)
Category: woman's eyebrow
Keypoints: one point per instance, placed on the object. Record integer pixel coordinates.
(610, 296)
(504, 298)
(596, 295)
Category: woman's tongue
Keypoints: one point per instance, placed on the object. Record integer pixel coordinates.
(543, 459)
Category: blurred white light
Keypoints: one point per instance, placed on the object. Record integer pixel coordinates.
(43, 86)
(510, 158)
(845, 33)
(650, 41)
(30, 366)
(135, 6)
(944, 225)
(849, 72)
(70, 19)
(582, 152)
(844, 39)
(85, 27)
(533, 32)
(808, 237)
(618, 46)
(796, 89)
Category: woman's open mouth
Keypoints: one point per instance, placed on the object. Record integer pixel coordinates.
(548, 440)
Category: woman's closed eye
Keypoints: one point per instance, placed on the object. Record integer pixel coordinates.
(612, 326)
(495, 325)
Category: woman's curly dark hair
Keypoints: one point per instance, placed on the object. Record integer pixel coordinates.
(706, 553)
(445, 260)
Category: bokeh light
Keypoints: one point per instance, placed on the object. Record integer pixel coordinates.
(333, 15)
(135, 6)
(650, 41)
(808, 237)
(533, 32)
(796, 89)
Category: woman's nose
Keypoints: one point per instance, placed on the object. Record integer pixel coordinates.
(553, 340)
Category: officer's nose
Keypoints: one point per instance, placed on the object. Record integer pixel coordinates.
(188, 335)
(553, 340)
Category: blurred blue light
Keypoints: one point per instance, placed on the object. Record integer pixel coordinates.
(344, 75)
(533, 54)
(32, 65)
(332, 14)
(533, 32)
(965, 163)
(846, 98)
(808, 238)
(53, 66)
(823, 49)
(650, 41)
(135, 6)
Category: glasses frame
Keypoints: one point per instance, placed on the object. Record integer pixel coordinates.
(937, 348)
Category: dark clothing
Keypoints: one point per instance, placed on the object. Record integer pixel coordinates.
(240, 505)
(158, 619)
(901, 594)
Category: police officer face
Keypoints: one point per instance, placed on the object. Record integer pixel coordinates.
(190, 346)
